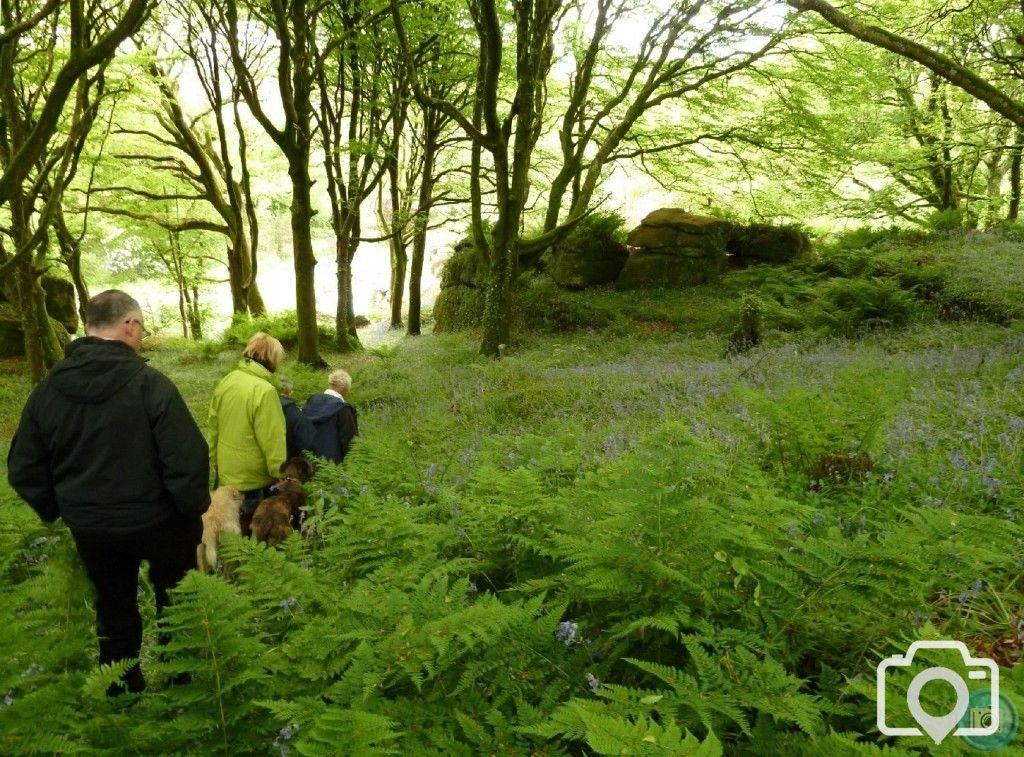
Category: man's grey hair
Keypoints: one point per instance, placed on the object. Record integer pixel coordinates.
(110, 308)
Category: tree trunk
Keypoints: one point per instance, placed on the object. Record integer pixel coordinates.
(195, 316)
(497, 306)
(419, 240)
(71, 253)
(419, 244)
(345, 339)
(399, 264)
(305, 260)
(1018, 145)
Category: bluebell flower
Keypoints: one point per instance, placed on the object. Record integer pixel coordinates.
(959, 460)
(566, 632)
(592, 681)
(9, 699)
(288, 603)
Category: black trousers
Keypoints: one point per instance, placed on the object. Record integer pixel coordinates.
(112, 560)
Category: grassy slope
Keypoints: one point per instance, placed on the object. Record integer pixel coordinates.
(938, 405)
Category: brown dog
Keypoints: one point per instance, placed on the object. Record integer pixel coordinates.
(221, 517)
(278, 515)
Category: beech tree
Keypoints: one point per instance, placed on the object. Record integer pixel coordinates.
(504, 128)
(291, 24)
(614, 92)
(1000, 99)
(72, 44)
(218, 143)
(421, 176)
(360, 116)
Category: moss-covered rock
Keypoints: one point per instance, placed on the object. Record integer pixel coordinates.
(587, 261)
(673, 248)
(675, 229)
(61, 302)
(12, 342)
(762, 242)
(458, 308)
(463, 268)
(12, 339)
(645, 269)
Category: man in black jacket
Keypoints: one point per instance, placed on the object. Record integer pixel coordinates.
(106, 443)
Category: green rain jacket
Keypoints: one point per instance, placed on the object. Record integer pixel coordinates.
(246, 428)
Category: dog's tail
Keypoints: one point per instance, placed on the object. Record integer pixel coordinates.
(206, 556)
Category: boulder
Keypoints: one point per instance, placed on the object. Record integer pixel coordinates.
(12, 343)
(646, 269)
(673, 248)
(60, 302)
(761, 242)
(458, 308)
(587, 261)
(12, 339)
(463, 268)
(460, 303)
(677, 229)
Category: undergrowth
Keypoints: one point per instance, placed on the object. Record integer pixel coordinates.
(597, 545)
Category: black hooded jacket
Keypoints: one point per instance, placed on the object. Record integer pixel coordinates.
(336, 423)
(107, 443)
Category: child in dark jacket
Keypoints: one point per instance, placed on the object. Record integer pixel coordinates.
(299, 431)
(334, 420)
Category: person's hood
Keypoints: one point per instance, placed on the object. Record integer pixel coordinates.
(321, 407)
(252, 367)
(95, 369)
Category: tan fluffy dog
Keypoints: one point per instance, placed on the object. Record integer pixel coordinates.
(278, 515)
(222, 517)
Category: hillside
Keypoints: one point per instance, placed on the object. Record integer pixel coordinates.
(640, 532)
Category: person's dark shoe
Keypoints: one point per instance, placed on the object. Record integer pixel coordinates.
(131, 682)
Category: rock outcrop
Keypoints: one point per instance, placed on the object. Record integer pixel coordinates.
(762, 243)
(585, 261)
(672, 247)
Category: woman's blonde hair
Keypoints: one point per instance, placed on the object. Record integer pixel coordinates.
(265, 350)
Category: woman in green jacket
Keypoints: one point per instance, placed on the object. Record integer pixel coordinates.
(246, 426)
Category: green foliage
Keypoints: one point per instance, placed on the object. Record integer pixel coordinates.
(600, 226)
(545, 306)
(748, 331)
(282, 326)
(846, 306)
(594, 545)
(947, 220)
